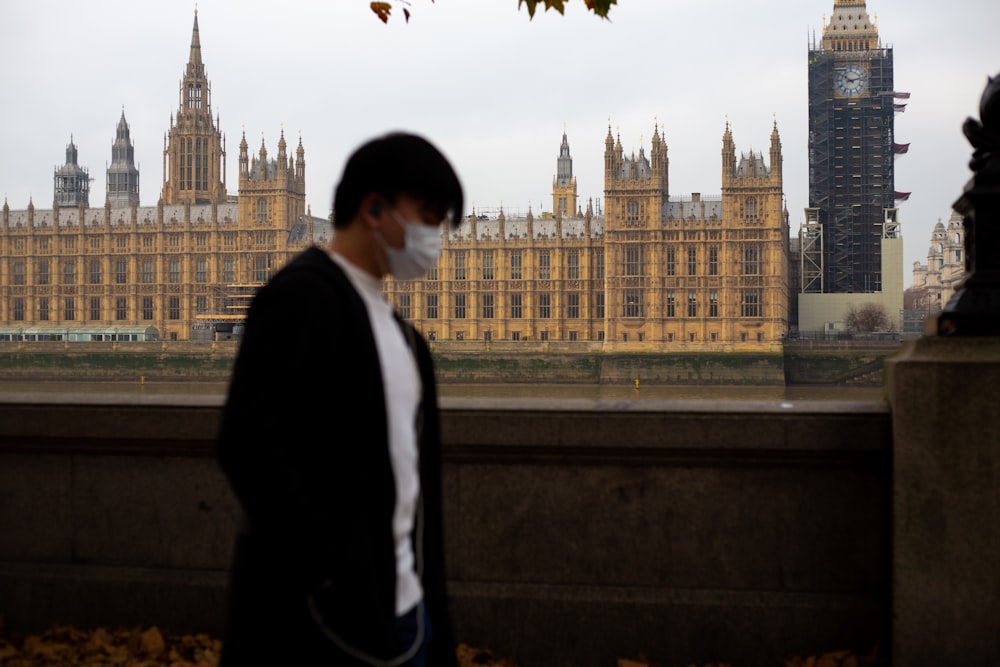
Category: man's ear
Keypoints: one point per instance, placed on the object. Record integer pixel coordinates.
(371, 210)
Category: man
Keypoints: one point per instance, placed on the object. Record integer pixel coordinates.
(330, 436)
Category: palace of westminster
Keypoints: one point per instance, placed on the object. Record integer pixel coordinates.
(649, 272)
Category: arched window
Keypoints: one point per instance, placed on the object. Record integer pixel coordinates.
(632, 213)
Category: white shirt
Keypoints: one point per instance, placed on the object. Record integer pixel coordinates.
(401, 380)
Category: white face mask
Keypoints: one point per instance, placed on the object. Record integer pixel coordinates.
(421, 248)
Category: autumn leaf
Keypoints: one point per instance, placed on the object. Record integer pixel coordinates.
(382, 10)
(599, 7)
(151, 642)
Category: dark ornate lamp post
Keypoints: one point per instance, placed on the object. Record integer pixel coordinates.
(974, 310)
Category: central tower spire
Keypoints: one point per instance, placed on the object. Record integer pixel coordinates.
(194, 159)
(194, 60)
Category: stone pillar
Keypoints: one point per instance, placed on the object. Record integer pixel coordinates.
(945, 400)
(944, 391)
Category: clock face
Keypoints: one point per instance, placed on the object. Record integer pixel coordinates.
(851, 80)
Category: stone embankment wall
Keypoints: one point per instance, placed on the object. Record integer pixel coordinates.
(858, 363)
(116, 361)
(838, 363)
(577, 531)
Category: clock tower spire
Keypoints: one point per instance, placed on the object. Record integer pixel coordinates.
(851, 180)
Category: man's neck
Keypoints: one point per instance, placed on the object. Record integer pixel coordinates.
(355, 244)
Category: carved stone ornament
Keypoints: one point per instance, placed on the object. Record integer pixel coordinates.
(985, 135)
(974, 310)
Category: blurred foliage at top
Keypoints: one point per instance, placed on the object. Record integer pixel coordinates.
(600, 7)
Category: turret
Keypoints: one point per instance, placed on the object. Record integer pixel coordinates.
(564, 183)
(282, 156)
(122, 176)
(776, 158)
(300, 162)
(609, 156)
(658, 160)
(728, 156)
(244, 158)
(71, 181)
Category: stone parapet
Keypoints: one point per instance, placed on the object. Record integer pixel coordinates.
(578, 531)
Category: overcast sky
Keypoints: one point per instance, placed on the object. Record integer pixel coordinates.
(492, 88)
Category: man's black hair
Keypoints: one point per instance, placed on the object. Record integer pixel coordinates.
(397, 164)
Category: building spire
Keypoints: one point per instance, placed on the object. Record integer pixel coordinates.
(195, 57)
(71, 181)
(186, 181)
(122, 175)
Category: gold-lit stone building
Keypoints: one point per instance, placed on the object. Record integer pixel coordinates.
(189, 264)
(942, 275)
(654, 273)
(649, 272)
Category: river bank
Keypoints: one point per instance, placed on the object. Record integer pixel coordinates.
(493, 390)
(804, 363)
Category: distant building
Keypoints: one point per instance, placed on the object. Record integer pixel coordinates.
(940, 277)
(184, 268)
(655, 273)
(650, 272)
(851, 148)
(850, 248)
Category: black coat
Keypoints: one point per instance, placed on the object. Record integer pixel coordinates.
(304, 444)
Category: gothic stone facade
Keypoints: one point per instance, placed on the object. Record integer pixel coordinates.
(652, 274)
(191, 262)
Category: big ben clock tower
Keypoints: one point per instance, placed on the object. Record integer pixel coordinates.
(851, 182)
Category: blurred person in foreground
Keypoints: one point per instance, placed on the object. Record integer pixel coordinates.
(330, 437)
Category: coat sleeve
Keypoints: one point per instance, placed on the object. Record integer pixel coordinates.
(284, 443)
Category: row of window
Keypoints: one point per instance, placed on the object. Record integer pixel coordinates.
(146, 269)
(692, 336)
(751, 263)
(751, 305)
(92, 309)
(77, 336)
(574, 335)
(488, 266)
(174, 241)
(633, 215)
